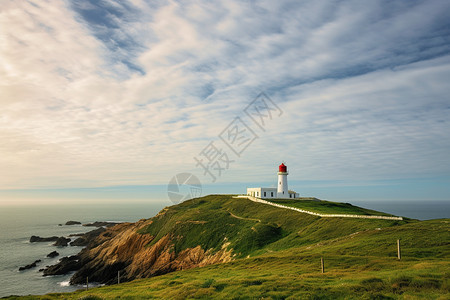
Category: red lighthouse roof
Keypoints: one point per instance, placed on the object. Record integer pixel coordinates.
(282, 168)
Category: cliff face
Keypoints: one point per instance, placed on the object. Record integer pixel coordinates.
(122, 248)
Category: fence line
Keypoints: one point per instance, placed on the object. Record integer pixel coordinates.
(259, 200)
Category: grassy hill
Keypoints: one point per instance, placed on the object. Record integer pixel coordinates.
(276, 255)
(250, 228)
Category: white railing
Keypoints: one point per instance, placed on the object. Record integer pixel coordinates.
(259, 200)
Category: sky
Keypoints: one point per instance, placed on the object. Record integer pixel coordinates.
(110, 100)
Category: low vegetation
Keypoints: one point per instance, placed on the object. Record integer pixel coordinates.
(278, 254)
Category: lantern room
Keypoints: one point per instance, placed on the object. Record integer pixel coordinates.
(282, 168)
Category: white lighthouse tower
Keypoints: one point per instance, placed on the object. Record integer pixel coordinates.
(272, 192)
(282, 191)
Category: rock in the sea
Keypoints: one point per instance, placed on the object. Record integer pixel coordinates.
(87, 237)
(73, 223)
(33, 265)
(76, 234)
(65, 265)
(53, 254)
(73, 263)
(62, 242)
(101, 224)
(38, 239)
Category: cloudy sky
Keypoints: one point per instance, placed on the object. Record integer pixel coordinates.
(123, 95)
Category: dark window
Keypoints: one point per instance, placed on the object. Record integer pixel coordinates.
(264, 194)
(271, 194)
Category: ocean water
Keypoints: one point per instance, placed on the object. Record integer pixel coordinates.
(416, 209)
(19, 223)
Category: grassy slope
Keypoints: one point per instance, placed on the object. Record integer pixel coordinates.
(249, 227)
(327, 207)
(280, 256)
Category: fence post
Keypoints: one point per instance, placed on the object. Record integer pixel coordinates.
(322, 265)
(87, 283)
(399, 255)
(118, 277)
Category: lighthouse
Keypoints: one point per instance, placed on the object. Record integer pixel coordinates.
(282, 191)
(272, 193)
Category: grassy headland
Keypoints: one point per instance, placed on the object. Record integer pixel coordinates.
(276, 255)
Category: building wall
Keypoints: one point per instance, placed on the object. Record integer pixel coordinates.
(293, 195)
(262, 192)
(269, 193)
(254, 192)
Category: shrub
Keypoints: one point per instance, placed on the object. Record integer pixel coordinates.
(90, 297)
(427, 283)
(252, 282)
(207, 283)
(219, 287)
(400, 282)
(373, 284)
(377, 297)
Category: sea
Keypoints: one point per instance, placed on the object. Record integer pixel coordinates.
(19, 223)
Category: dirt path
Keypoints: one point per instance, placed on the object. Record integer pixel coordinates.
(241, 218)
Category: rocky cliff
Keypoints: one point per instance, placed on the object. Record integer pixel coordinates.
(122, 248)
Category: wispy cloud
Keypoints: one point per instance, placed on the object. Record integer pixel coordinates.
(97, 93)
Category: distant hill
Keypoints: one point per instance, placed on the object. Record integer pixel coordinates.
(249, 249)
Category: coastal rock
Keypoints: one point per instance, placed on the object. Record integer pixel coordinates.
(62, 242)
(53, 254)
(32, 265)
(76, 234)
(72, 263)
(123, 249)
(73, 223)
(81, 241)
(38, 239)
(101, 224)
(65, 265)
(84, 239)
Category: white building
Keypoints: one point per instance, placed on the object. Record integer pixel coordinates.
(281, 192)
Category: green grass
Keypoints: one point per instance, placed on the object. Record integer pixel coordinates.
(247, 226)
(326, 207)
(278, 256)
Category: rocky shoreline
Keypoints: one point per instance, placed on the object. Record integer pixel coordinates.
(111, 249)
(70, 263)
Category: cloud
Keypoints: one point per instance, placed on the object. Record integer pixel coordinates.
(98, 93)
